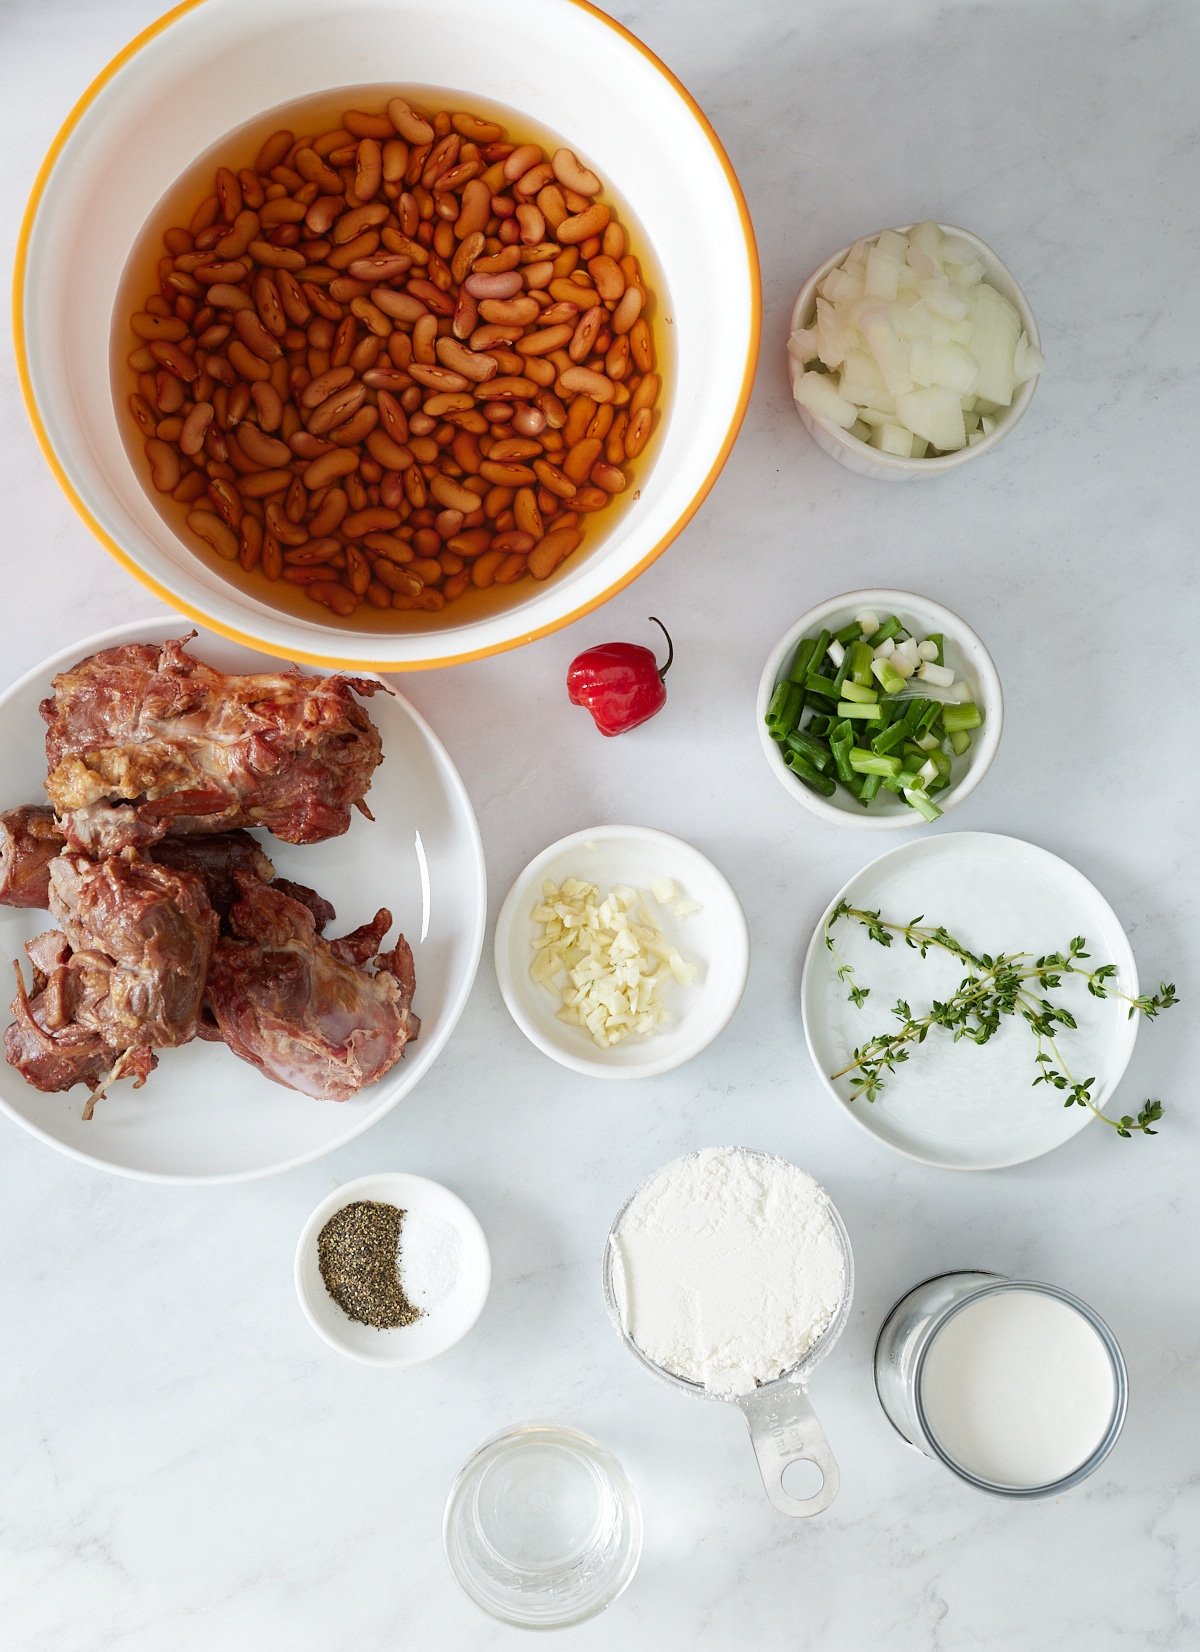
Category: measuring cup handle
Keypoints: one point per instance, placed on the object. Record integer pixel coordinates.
(784, 1430)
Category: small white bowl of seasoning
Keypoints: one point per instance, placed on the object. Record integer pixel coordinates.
(683, 924)
(392, 1269)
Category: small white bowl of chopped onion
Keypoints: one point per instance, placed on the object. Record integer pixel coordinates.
(912, 352)
(621, 952)
(966, 677)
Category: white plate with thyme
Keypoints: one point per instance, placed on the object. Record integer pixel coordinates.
(951, 1098)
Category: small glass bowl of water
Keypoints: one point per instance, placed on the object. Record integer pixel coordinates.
(542, 1527)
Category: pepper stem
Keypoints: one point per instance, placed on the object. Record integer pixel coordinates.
(662, 675)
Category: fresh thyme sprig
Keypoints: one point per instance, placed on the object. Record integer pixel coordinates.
(995, 985)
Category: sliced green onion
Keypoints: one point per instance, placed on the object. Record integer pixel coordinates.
(778, 701)
(957, 718)
(931, 713)
(859, 694)
(860, 657)
(891, 739)
(888, 676)
(841, 745)
(802, 660)
(870, 729)
(820, 643)
(817, 753)
(869, 762)
(922, 803)
(782, 718)
(812, 777)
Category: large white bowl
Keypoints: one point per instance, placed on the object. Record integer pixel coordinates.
(210, 66)
(205, 1116)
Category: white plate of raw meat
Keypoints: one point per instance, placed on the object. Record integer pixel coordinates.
(205, 1115)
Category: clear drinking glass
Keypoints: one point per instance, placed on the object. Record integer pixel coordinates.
(902, 1350)
(542, 1527)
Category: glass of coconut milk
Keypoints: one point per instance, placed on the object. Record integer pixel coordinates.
(1018, 1388)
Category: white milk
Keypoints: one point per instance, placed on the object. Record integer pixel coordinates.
(1018, 1388)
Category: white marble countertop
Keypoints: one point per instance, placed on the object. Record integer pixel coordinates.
(183, 1466)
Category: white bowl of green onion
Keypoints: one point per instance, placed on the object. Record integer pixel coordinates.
(880, 709)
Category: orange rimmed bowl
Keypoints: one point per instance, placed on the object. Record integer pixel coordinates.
(211, 66)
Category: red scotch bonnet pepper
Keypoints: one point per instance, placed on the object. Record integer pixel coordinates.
(621, 683)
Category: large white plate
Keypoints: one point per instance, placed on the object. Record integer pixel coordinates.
(966, 1106)
(204, 1115)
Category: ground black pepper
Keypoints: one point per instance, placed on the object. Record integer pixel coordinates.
(358, 1251)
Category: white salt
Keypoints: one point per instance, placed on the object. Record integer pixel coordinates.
(430, 1258)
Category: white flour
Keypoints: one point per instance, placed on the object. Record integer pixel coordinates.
(727, 1267)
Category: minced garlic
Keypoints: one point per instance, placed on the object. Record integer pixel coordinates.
(605, 958)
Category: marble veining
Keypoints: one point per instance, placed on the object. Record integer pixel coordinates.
(183, 1466)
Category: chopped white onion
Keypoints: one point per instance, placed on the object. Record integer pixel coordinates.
(916, 345)
(892, 438)
(818, 392)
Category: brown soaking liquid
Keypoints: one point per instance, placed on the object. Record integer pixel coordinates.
(238, 149)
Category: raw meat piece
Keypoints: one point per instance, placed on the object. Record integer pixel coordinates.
(45, 1043)
(142, 937)
(323, 911)
(214, 857)
(300, 1009)
(29, 841)
(144, 739)
(125, 974)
